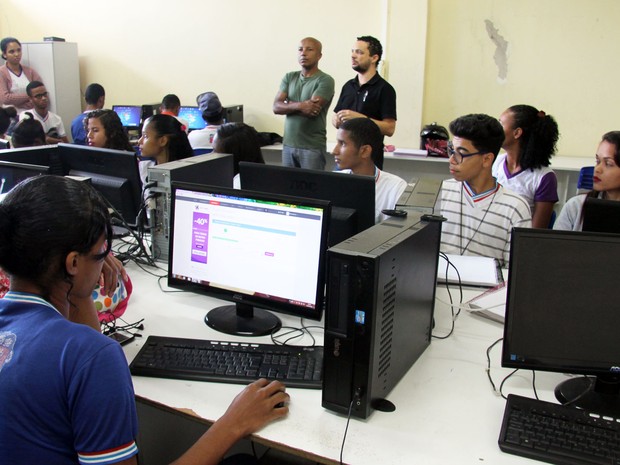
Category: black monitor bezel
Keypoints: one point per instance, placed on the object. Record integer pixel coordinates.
(347, 192)
(514, 310)
(601, 215)
(315, 313)
(83, 160)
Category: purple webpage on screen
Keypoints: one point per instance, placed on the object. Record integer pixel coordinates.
(200, 237)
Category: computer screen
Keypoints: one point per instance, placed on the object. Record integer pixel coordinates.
(193, 116)
(352, 197)
(130, 115)
(563, 314)
(12, 173)
(114, 173)
(42, 155)
(260, 251)
(601, 215)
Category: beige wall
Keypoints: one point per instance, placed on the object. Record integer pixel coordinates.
(561, 57)
(559, 54)
(141, 51)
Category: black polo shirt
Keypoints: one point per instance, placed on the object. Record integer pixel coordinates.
(375, 99)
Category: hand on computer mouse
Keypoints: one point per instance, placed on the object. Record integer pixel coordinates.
(255, 406)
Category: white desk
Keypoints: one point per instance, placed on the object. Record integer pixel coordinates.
(411, 164)
(445, 413)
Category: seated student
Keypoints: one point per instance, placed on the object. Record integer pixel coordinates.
(212, 112)
(606, 183)
(163, 139)
(66, 390)
(94, 96)
(28, 132)
(530, 142)
(359, 143)
(480, 212)
(105, 130)
(240, 140)
(170, 105)
(52, 123)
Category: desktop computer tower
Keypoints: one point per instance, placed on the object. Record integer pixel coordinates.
(420, 197)
(379, 310)
(215, 169)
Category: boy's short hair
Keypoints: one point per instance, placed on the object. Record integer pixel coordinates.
(93, 93)
(364, 131)
(485, 132)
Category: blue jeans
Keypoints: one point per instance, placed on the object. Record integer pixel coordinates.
(304, 158)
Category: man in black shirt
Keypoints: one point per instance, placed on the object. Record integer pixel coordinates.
(367, 95)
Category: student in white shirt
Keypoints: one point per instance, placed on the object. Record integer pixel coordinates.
(52, 123)
(359, 143)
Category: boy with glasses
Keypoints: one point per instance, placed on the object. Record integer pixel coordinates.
(480, 212)
(52, 123)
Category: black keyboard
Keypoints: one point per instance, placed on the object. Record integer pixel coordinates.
(229, 362)
(558, 434)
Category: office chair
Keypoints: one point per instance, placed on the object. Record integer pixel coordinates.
(202, 151)
(584, 183)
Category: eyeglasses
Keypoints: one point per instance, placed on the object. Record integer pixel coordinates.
(40, 96)
(460, 156)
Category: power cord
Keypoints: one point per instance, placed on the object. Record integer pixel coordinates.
(454, 315)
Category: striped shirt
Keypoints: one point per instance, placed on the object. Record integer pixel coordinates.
(481, 224)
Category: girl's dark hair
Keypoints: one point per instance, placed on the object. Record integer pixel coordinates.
(28, 132)
(4, 44)
(178, 144)
(6, 114)
(242, 141)
(540, 136)
(116, 137)
(42, 220)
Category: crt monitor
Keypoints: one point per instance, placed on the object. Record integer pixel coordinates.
(114, 173)
(562, 313)
(352, 197)
(130, 115)
(193, 116)
(260, 251)
(12, 173)
(601, 215)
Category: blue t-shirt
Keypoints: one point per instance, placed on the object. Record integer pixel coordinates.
(65, 389)
(78, 133)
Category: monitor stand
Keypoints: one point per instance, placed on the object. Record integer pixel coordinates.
(594, 394)
(243, 320)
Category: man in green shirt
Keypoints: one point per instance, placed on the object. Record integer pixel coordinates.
(304, 97)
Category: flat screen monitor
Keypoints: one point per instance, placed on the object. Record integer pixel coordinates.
(42, 155)
(601, 215)
(12, 173)
(193, 116)
(4, 144)
(260, 251)
(130, 115)
(352, 197)
(114, 173)
(563, 313)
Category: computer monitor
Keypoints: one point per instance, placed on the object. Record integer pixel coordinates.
(114, 173)
(12, 173)
(193, 116)
(130, 115)
(42, 155)
(562, 313)
(4, 144)
(601, 215)
(260, 251)
(352, 197)
(233, 114)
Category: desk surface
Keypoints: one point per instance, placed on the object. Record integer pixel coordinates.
(446, 411)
